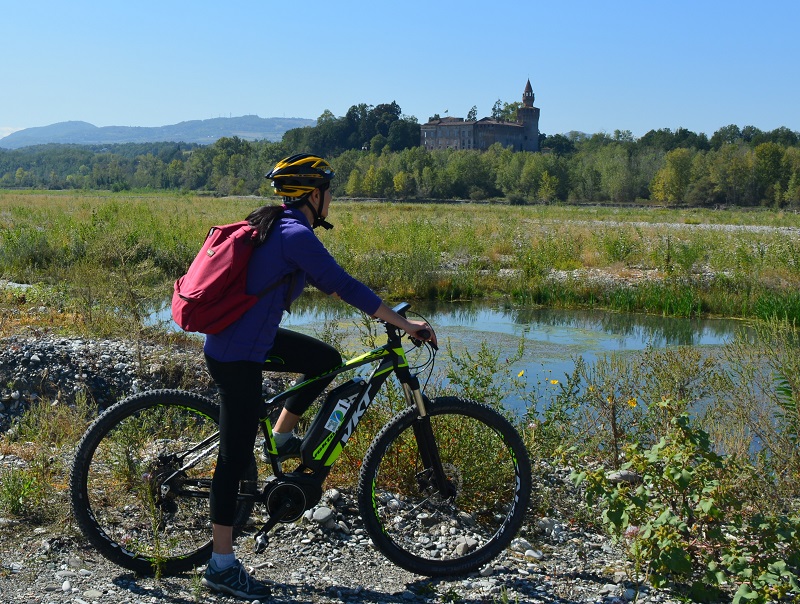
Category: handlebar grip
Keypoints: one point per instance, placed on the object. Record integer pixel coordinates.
(423, 336)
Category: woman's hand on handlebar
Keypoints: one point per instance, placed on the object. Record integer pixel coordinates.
(420, 330)
(415, 329)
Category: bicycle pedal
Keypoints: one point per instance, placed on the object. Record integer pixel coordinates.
(261, 543)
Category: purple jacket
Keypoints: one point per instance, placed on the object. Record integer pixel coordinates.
(291, 247)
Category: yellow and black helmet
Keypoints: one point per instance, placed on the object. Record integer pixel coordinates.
(300, 174)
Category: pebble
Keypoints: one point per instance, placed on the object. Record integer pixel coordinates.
(59, 368)
(322, 515)
(325, 558)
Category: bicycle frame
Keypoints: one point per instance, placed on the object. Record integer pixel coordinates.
(389, 358)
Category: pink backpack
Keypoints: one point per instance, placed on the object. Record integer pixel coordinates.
(211, 295)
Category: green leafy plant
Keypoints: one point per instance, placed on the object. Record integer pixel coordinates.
(683, 521)
(25, 492)
(482, 375)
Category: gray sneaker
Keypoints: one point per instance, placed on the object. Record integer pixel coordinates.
(291, 448)
(236, 581)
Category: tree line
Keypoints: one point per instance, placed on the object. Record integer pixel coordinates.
(375, 152)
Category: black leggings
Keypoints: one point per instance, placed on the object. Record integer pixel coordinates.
(239, 385)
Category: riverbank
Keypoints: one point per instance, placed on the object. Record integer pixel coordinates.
(110, 259)
(554, 560)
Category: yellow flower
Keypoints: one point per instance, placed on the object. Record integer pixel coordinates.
(631, 402)
(554, 382)
(520, 374)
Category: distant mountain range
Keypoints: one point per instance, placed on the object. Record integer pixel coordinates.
(248, 127)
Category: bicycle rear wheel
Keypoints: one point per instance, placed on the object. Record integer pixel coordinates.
(489, 487)
(130, 497)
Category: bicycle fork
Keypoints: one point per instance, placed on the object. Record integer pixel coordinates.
(426, 442)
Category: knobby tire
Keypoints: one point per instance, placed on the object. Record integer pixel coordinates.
(489, 486)
(117, 499)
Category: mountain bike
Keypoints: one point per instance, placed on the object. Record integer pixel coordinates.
(443, 488)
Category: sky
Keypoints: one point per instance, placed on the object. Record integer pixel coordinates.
(594, 66)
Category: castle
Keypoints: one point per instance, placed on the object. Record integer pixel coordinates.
(457, 133)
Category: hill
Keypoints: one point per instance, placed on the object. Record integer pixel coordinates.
(248, 127)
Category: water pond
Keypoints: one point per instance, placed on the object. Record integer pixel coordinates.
(552, 338)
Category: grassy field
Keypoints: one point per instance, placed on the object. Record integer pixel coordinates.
(717, 479)
(95, 253)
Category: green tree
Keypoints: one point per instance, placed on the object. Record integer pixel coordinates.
(672, 181)
(726, 136)
(666, 140)
(403, 134)
(326, 117)
(792, 194)
(783, 136)
(173, 174)
(702, 191)
(497, 110)
(405, 185)
(505, 112)
(472, 114)
(548, 188)
(623, 136)
(730, 169)
(355, 184)
(791, 166)
(584, 177)
(377, 143)
(21, 178)
(149, 172)
(614, 167)
(769, 172)
(558, 144)
(509, 177)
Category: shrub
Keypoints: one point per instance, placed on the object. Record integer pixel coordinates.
(682, 520)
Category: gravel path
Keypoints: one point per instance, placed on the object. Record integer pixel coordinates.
(324, 557)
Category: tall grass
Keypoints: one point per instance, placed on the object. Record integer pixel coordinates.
(99, 261)
(112, 257)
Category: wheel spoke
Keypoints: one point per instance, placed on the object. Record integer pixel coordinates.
(125, 487)
(137, 497)
(415, 525)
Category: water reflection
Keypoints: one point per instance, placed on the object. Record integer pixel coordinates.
(613, 331)
(553, 338)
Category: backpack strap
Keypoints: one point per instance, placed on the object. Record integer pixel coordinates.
(291, 279)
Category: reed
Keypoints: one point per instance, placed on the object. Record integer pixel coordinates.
(108, 258)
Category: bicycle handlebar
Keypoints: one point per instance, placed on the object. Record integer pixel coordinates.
(418, 338)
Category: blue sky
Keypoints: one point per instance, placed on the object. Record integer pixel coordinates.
(594, 66)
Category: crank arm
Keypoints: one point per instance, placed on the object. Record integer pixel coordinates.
(261, 536)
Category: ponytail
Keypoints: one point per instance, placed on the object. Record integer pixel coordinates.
(264, 219)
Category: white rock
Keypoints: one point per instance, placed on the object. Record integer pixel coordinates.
(520, 545)
(322, 514)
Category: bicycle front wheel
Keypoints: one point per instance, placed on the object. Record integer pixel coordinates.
(488, 489)
(141, 479)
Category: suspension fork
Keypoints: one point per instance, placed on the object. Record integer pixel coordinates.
(426, 441)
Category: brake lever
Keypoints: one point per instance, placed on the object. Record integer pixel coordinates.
(425, 339)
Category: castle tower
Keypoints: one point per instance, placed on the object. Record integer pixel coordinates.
(528, 116)
(528, 96)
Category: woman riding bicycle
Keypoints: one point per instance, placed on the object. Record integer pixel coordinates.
(236, 357)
